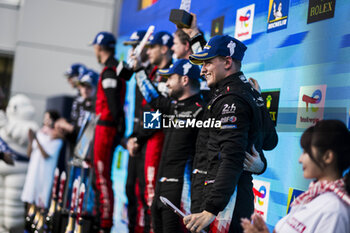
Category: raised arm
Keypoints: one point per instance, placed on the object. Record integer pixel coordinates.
(151, 93)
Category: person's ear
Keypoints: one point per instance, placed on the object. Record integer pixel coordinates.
(188, 46)
(164, 49)
(185, 80)
(328, 157)
(228, 62)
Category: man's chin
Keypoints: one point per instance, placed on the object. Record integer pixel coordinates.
(174, 95)
(210, 84)
(171, 94)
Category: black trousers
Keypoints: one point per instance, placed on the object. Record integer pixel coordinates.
(163, 218)
(244, 207)
(136, 175)
(197, 197)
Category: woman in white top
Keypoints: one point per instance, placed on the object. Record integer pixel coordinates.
(43, 149)
(325, 206)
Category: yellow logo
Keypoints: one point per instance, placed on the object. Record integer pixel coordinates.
(268, 101)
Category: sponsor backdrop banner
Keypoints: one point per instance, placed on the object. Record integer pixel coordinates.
(217, 26)
(308, 50)
(261, 191)
(244, 22)
(278, 15)
(320, 10)
(272, 99)
(310, 105)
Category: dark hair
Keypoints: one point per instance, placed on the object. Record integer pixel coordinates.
(194, 83)
(305, 142)
(54, 115)
(183, 37)
(236, 63)
(169, 52)
(108, 49)
(329, 135)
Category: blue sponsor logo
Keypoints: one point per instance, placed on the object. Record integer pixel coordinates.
(229, 127)
(278, 15)
(151, 120)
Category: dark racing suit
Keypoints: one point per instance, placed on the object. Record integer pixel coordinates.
(148, 156)
(80, 108)
(178, 151)
(109, 130)
(138, 209)
(221, 152)
(153, 140)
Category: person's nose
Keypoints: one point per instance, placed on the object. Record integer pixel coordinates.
(203, 70)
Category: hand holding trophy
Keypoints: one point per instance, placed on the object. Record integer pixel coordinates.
(181, 17)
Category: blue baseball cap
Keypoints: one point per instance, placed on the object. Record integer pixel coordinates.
(182, 67)
(135, 37)
(90, 78)
(162, 38)
(105, 39)
(220, 46)
(75, 69)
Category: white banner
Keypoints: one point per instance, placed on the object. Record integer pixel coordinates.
(310, 105)
(185, 5)
(261, 191)
(244, 23)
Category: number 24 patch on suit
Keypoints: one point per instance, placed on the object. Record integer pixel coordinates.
(228, 109)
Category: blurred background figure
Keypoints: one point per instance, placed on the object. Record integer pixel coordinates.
(135, 181)
(110, 128)
(74, 72)
(43, 151)
(84, 103)
(14, 126)
(181, 47)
